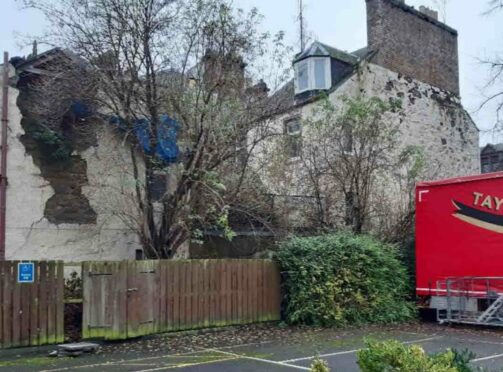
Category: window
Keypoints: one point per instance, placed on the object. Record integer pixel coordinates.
(139, 254)
(293, 127)
(319, 73)
(313, 74)
(293, 131)
(302, 76)
(158, 187)
(347, 139)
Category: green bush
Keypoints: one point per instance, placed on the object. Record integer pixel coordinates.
(319, 365)
(342, 279)
(392, 356)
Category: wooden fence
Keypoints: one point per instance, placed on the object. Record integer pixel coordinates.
(133, 298)
(31, 313)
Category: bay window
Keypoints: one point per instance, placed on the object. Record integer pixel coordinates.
(312, 74)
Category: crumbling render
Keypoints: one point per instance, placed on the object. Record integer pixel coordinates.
(52, 153)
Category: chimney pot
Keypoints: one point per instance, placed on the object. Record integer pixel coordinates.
(429, 12)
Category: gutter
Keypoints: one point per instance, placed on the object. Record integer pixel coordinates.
(3, 152)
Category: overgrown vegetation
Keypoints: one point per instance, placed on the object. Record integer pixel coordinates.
(394, 356)
(351, 167)
(73, 286)
(319, 366)
(196, 62)
(52, 145)
(338, 279)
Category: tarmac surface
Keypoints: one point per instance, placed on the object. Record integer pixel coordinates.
(292, 351)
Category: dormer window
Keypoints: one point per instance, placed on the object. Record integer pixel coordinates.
(312, 74)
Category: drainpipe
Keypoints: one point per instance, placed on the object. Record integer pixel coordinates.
(3, 150)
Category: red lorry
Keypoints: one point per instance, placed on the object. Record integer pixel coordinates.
(459, 248)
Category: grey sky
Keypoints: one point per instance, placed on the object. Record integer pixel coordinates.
(340, 23)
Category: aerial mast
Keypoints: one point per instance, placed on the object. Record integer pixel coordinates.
(301, 24)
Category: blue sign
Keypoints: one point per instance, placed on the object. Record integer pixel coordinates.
(25, 272)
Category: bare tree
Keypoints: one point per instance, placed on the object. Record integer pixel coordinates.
(186, 59)
(494, 6)
(442, 8)
(351, 166)
(494, 85)
(353, 145)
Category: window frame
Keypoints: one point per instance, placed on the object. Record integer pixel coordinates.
(293, 136)
(311, 74)
(306, 63)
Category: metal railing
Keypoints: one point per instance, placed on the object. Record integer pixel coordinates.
(471, 300)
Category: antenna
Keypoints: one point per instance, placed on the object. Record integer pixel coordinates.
(301, 23)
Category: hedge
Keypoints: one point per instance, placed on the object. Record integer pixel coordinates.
(341, 278)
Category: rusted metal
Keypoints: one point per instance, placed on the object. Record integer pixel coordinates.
(3, 161)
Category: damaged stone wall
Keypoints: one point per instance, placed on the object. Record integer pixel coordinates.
(66, 173)
(64, 210)
(430, 118)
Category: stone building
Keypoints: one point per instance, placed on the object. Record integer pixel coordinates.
(63, 210)
(410, 57)
(491, 158)
(68, 211)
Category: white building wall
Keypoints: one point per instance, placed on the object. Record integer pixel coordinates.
(31, 236)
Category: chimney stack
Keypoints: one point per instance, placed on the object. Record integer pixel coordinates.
(413, 43)
(429, 12)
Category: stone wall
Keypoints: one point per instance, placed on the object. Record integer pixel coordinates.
(430, 118)
(106, 187)
(413, 43)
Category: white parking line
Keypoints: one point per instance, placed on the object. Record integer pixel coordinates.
(183, 365)
(118, 362)
(283, 364)
(148, 358)
(487, 358)
(353, 351)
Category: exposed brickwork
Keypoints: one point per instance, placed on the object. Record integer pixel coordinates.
(413, 43)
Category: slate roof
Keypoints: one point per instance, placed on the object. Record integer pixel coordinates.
(493, 148)
(283, 99)
(317, 49)
(34, 63)
(362, 53)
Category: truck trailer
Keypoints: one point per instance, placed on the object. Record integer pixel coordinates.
(459, 248)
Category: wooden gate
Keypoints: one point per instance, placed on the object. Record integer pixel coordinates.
(31, 313)
(143, 298)
(134, 298)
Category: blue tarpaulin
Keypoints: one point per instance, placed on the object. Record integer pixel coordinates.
(80, 110)
(167, 136)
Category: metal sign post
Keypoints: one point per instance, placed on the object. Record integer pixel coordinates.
(3, 150)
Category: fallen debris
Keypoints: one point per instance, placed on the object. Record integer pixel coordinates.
(75, 349)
